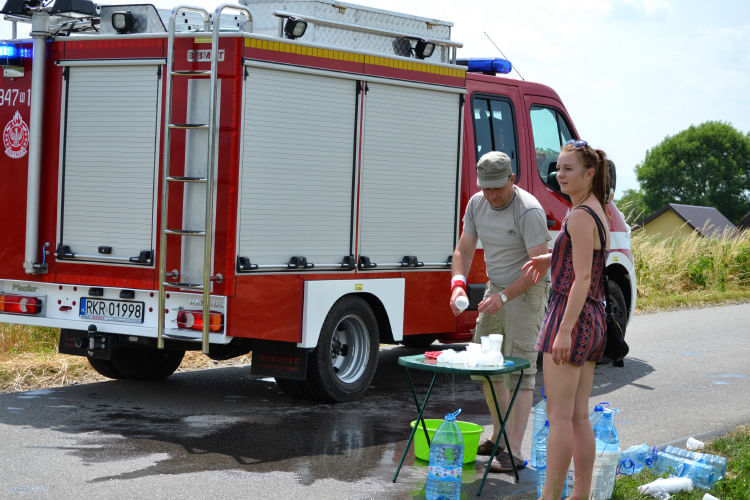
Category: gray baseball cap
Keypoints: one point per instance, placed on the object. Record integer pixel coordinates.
(493, 170)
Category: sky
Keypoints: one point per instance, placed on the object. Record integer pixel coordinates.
(630, 72)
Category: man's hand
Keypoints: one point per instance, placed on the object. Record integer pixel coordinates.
(457, 292)
(490, 305)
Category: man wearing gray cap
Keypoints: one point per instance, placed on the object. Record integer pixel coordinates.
(512, 227)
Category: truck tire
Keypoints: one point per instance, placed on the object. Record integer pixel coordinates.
(343, 364)
(140, 364)
(105, 367)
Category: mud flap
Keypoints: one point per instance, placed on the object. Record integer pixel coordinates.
(279, 359)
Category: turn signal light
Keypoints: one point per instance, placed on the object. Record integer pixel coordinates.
(193, 320)
(20, 304)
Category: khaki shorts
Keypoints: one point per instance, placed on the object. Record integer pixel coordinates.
(518, 321)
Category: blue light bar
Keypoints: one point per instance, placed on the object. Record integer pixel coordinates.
(496, 65)
(11, 51)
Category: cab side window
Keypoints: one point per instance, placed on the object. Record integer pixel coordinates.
(550, 133)
(494, 128)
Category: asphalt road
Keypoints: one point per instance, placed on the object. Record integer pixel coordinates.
(222, 433)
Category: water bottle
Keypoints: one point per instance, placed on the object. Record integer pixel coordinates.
(719, 463)
(607, 455)
(540, 439)
(702, 475)
(635, 459)
(570, 476)
(446, 461)
(596, 413)
(540, 416)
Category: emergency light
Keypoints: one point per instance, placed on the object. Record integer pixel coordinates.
(496, 65)
(9, 51)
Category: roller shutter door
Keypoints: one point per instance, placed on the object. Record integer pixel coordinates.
(409, 173)
(110, 160)
(297, 164)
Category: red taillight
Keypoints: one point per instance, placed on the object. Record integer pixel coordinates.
(20, 304)
(193, 320)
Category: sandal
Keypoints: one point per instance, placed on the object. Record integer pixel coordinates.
(501, 463)
(486, 448)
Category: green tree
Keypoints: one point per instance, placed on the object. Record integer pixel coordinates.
(632, 206)
(707, 164)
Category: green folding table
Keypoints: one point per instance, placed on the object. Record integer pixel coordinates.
(418, 362)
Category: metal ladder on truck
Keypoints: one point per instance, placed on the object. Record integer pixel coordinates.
(208, 180)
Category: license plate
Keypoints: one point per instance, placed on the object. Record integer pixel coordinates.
(112, 310)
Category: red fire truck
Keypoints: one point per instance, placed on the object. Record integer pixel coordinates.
(286, 182)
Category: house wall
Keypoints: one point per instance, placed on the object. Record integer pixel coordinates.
(667, 224)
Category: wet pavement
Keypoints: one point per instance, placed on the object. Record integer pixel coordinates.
(223, 433)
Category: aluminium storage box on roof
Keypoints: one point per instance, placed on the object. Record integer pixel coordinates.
(266, 23)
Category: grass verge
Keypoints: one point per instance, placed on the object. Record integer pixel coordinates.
(735, 485)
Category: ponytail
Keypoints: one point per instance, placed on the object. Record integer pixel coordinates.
(599, 184)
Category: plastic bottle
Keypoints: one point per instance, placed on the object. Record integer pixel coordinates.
(570, 475)
(718, 462)
(541, 457)
(462, 302)
(666, 463)
(540, 416)
(635, 459)
(607, 458)
(702, 475)
(446, 461)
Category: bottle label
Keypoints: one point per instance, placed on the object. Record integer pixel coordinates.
(445, 473)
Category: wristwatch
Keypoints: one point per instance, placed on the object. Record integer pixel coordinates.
(503, 297)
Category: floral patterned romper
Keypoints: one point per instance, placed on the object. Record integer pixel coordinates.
(589, 334)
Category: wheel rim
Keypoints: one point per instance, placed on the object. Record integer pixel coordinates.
(350, 348)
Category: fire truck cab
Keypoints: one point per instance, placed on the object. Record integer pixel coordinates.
(289, 182)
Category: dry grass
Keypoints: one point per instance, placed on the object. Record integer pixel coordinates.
(685, 271)
(29, 361)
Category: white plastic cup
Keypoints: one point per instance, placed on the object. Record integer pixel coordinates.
(694, 444)
(462, 302)
(496, 342)
(486, 347)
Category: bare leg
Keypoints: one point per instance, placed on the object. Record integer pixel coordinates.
(519, 417)
(561, 382)
(584, 448)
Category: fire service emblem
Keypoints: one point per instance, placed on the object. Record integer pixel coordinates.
(16, 137)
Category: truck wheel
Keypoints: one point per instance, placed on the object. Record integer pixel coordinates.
(343, 365)
(140, 364)
(105, 367)
(418, 341)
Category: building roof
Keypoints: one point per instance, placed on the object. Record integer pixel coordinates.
(707, 221)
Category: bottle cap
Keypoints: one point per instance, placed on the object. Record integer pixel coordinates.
(452, 416)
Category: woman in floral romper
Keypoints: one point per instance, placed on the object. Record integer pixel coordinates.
(573, 334)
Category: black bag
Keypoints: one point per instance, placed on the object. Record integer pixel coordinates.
(616, 348)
